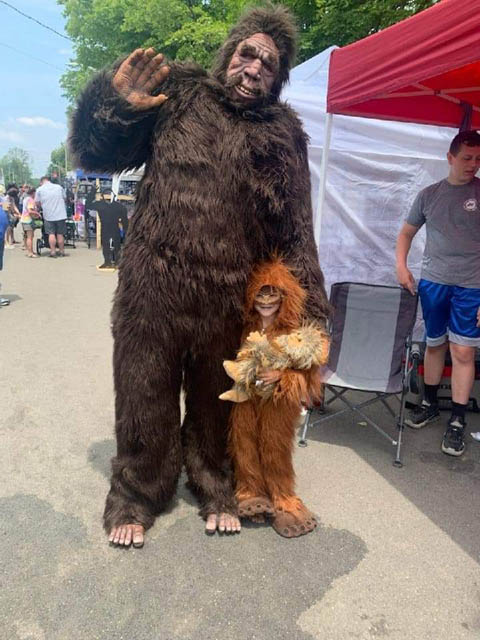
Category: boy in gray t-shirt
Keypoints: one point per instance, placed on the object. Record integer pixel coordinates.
(449, 287)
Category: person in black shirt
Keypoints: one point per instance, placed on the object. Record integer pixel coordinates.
(112, 215)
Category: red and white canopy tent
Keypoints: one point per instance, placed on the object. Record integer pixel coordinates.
(425, 69)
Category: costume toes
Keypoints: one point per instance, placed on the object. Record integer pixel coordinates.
(211, 525)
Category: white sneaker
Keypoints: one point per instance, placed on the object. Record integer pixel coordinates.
(475, 435)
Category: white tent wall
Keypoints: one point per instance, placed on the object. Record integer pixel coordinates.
(375, 169)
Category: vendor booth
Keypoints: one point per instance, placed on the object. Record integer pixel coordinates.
(410, 83)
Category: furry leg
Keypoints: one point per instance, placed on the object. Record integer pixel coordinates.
(205, 432)
(277, 420)
(148, 462)
(244, 450)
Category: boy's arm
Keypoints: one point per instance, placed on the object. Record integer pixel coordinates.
(404, 242)
(112, 126)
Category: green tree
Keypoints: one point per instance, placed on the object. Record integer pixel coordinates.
(16, 166)
(103, 30)
(342, 22)
(57, 161)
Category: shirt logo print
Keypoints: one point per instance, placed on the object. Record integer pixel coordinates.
(470, 205)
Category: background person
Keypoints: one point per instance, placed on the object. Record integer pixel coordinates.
(10, 205)
(51, 198)
(29, 214)
(449, 287)
(4, 302)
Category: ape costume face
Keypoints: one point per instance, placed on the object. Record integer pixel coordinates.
(226, 183)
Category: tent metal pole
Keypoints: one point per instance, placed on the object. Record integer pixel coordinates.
(323, 177)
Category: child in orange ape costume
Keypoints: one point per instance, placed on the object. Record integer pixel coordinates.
(268, 393)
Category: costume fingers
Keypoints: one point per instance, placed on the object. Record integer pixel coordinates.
(157, 79)
(140, 63)
(150, 66)
(130, 67)
(149, 102)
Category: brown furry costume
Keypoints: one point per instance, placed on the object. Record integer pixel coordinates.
(224, 185)
(262, 427)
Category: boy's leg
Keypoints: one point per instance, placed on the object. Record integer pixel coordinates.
(464, 336)
(435, 299)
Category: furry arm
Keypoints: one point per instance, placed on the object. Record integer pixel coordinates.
(106, 134)
(290, 224)
(293, 387)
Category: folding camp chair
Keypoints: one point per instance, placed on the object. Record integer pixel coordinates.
(371, 332)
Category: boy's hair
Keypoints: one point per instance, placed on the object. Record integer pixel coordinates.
(468, 138)
(31, 191)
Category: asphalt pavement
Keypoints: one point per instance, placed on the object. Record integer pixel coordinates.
(396, 554)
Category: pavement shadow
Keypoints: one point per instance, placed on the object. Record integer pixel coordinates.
(181, 585)
(446, 489)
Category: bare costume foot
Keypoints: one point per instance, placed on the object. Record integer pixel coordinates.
(224, 522)
(253, 506)
(125, 534)
(292, 525)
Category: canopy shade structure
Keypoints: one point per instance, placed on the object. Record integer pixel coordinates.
(425, 69)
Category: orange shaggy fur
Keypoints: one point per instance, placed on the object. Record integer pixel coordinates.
(262, 430)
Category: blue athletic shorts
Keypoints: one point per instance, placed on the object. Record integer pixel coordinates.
(450, 311)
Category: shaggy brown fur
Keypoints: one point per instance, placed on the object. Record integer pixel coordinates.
(224, 186)
(262, 429)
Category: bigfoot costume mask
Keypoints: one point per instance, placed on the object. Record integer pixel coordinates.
(226, 184)
(261, 28)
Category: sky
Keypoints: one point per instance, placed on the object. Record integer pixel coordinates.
(32, 108)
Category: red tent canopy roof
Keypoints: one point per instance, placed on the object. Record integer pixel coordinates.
(418, 70)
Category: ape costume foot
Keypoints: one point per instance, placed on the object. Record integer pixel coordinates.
(249, 507)
(293, 525)
(226, 183)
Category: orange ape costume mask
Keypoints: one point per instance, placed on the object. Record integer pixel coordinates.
(226, 183)
(263, 422)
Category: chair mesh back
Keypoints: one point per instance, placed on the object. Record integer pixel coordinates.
(369, 328)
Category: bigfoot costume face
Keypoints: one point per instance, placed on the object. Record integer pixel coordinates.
(253, 68)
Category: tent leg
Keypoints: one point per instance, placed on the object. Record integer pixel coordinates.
(323, 177)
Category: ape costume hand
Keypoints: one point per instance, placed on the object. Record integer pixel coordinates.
(138, 76)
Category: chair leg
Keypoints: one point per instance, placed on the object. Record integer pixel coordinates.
(303, 439)
(397, 462)
(401, 427)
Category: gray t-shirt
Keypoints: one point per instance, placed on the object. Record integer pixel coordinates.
(451, 214)
(52, 198)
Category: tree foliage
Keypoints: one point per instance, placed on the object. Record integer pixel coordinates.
(57, 162)
(103, 30)
(16, 166)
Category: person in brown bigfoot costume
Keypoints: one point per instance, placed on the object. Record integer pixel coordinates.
(226, 183)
